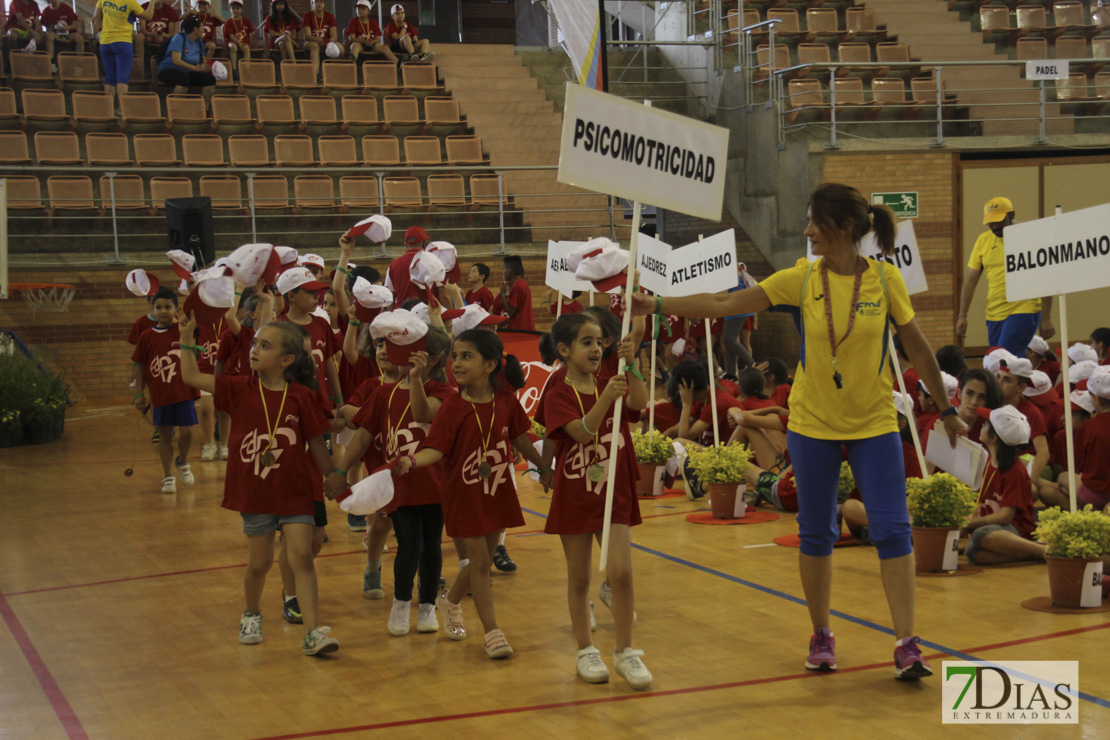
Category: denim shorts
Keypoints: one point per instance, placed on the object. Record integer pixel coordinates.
(259, 524)
(976, 540)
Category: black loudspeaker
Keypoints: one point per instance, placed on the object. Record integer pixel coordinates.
(189, 225)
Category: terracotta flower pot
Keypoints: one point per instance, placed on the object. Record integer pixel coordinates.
(726, 500)
(935, 548)
(651, 479)
(1068, 577)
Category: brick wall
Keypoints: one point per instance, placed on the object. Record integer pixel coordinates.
(933, 176)
(485, 22)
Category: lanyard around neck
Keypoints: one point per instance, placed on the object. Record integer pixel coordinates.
(582, 408)
(833, 343)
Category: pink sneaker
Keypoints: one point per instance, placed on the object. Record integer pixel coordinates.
(909, 664)
(822, 651)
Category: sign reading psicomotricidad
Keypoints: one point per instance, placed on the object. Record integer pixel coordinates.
(1058, 254)
(611, 145)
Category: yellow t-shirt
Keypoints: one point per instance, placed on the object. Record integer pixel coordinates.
(989, 256)
(864, 407)
(114, 24)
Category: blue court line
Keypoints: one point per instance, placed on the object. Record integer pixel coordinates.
(661, 506)
(834, 612)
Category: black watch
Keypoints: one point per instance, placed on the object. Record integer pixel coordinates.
(950, 411)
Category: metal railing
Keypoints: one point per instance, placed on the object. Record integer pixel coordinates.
(122, 212)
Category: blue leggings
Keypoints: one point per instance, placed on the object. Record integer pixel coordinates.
(880, 476)
(117, 62)
(1014, 332)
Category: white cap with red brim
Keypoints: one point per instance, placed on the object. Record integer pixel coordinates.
(219, 71)
(1082, 400)
(600, 262)
(1080, 352)
(474, 316)
(404, 334)
(449, 256)
(1009, 424)
(1018, 366)
(370, 299)
(183, 263)
(141, 283)
(311, 259)
(1038, 345)
(427, 270)
(1039, 384)
(298, 277)
(368, 495)
(993, 360)
(951, 386)
(1098, 384)
(1080, 371)
(253, 262)
(211, 298)
(377, 229)
(287, 256)
(183, 287)
(420, 310)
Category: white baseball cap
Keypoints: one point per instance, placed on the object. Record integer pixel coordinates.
(993, 359)
(1009, 424)
(219, 71)
(600, 262)
(449, 256)
(420, 310)
(474, 316)
(1039, 384)
(183, 263)
(1083, 400)
(211, 298)
(141, 283)
(1099, 382)
(395, 8)
(298, 277)
(370, 299)
(403, 332)
(1080, 352)
(426, 270)
(253, 262)
(377, 228)
(287, 256)
(1080, 371)
(333, 50)
(368, 495)
(1038, 345)
(1018, 366)
(364, 3)
(311, 259)
(951, 386)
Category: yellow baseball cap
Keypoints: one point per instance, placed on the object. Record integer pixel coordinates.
(996, 209)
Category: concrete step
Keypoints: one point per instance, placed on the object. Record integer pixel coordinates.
(474, 50)
(514, 82)
(521, 120)
(497, 71)
(497, 99)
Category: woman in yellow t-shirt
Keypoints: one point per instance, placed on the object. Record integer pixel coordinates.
(842, 396)
(112, 23)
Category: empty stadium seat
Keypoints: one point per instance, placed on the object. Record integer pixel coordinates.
(93, 110)
(862, 23)
(360, 193)
(79, 71)
(382, 151)
(446, 191)
(402, 192)
(419, 76)
(44, 107)
(318, 113)
(70, 193)
(231, 113)
(31, 68)
(315, 192)
(58, 148)
(422, 150)
(141, 108)
(275, 113)
(9, 114)
(127, 191)
(360, 114)
(402, 115)
(340, 74)
(258, 76)
(298, 76)
(187, 111)
(168, 188)
(271, 192)
(441, 116)
(155, 150)
(13, 148)
(226, 192)
(464, 150)
(203, 150)
(24, 193)
(107, 149)
(337, 151)
(380, 75)
(249, 151)
(293, 151)
(824, 23)
(484, 191)
(805, 99)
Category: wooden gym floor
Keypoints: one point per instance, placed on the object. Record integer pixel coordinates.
(120, 612)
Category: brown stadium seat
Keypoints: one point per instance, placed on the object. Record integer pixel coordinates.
(315, 192)
(57, 148)
(168, 188)
(155, 150)
(293, 151)
(107, 149)
(337, 151)
(422, 150)
(382, 151)
(203, 150)
(249, 151)
(127, 189)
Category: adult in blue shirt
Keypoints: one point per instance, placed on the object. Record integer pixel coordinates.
(184, 66)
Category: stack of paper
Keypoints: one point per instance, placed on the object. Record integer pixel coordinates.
(967, 461)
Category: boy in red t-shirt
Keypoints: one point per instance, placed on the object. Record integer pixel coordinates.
(479, 293)
(238, 32)
(364, 35)
(23, 22)
(157, 359)
(209, 22)
(1014, 376)
(1092, 445)
(401, 37)
(61, 22)
(515, 300)
(161, 27)
(320, 29)
(569, 305)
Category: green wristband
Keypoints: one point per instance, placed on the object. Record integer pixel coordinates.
(345, 272)
(659, 305)
(355, 322)
(195, 349)
(337, 471)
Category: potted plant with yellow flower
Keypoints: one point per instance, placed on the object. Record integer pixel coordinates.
(653, 450)
(721, 470)
(939, 506)
(1075, 542)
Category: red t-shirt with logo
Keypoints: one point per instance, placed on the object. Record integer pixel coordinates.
(1010, 488)
(208, 339)
(1037, 427)
(163, 17)
(324, 346)
(280, 28)
(483, 297)
(52, 16)
(362, 32)
(286, 488)
(387, 416)
(141, 324)
(319, 27)
(392, 28)
(159, 354)
(29, 11)
(577, 503)
(397, 278)
(1092, 452)
(234, 351)
(238, 29)
(474, 506)
(209, 23)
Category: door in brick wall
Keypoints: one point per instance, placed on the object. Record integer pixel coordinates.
(438, 20)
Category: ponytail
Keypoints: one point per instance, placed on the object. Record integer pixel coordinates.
(490, 347)
(884, 226)
(514, 373)
(303, 368)
(836, 207)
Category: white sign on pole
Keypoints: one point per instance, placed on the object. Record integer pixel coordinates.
(651, 261)
(906, 257)
(706, 266)
(1046, 69)
(612, 145)
(1058, 254)
(558, 277)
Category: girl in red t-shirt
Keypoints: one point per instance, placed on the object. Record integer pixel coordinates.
(281, 28)
(238, 32)
(396, 417)
(233, 355)
(578, 413)
(277, 434)
(475, 433)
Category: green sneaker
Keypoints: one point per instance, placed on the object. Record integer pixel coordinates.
(318, 642)
(250, 628)
(291, 610)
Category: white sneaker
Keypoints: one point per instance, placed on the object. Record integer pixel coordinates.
(185, 472)
(591, 668)
(250, 628)
(593, 619)
(223, 452)
(208, 452)
(169, 484)
(452, 618)
(426, 620)
(632, 669)
(319, 642)
(605, 593)
(399, 617)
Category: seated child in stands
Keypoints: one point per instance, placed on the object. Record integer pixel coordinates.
(403, 38)
(1043, 358)
(238, 32)
(364, 36)
(61, 23)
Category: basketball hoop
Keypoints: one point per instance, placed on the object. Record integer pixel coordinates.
(45, 296)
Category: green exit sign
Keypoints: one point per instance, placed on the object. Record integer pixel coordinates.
(904, 205)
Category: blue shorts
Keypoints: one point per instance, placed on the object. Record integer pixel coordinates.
(117, 59)
(180, 414)
(255, 525)
(1014, 332)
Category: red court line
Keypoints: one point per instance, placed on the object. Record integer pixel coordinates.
(50, 687)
